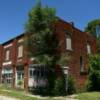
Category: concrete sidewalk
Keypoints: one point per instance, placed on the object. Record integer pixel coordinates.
(7, 98)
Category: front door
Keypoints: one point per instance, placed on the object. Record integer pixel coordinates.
(20, 78)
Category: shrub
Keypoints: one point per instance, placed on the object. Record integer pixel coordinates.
(94, 81)
(94, 73)
(71, 85)
(20, 83)
(40, 91)
(60, 87)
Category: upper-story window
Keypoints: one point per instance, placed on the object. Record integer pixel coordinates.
(81, 64)
(20, 51)
(68, 42)
(88, 48)
(7, 55)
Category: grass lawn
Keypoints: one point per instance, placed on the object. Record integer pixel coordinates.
(21, 95)
(89, 96)
(16, 94)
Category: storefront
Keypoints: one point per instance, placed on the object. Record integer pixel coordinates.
(7, 74)
(38, 75)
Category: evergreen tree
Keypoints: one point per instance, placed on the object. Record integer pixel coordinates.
(42, 42)
(42, 38)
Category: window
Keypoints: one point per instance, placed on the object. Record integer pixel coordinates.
(32, 72)
(88, 49)
(7, 55)
(39, 73)
(68, 42)
(20, 51)
(20, 75)
(7, 74)
(81, 64)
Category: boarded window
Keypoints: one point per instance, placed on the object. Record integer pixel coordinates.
(20, 51)
(68, 42)
(7, 55)
(88, 49)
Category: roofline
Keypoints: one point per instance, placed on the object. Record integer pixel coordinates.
(10, 40)
(76, 28)
(19, 36)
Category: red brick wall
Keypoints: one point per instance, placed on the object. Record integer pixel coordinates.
(79, 48)
(79, 41)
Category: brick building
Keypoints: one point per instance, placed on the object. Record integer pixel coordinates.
(15, 67)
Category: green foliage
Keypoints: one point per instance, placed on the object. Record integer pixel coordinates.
(40, 90)
(71, 85)
(64, 59)
(60, 86)
(88, 96)
(91, 27)
(98, 44)
(40, 18)
(20, 83)
(42, 42)
(42, 37)
(94, 73)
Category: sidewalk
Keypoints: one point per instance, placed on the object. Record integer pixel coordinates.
(7, 98)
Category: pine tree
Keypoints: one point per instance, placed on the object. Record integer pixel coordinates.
(41, 39)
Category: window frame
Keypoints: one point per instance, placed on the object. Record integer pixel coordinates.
(7, 55)
(88, 47)
(20, 51)
(81, 64)
(68, 40)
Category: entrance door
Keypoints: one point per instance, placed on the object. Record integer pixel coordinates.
(20, 78)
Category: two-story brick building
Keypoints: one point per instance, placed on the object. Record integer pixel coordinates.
(16, 67)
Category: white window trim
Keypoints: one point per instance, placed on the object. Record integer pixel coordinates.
(7, 63)
(9, 45)
(20, 40)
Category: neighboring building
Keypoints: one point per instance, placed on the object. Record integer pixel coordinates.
(19, 71)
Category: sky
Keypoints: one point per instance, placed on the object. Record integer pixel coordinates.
(14, 14)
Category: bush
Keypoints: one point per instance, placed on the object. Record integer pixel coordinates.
(60, 87)
(71, 85)
(94, 74)
(40, 91)
(94, 81)
(20, 83)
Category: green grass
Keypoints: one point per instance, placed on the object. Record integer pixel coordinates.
(16, 94)
(5, 91)
(89, 96)
(23, 96)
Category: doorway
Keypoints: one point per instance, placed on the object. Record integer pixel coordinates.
(20, 77)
